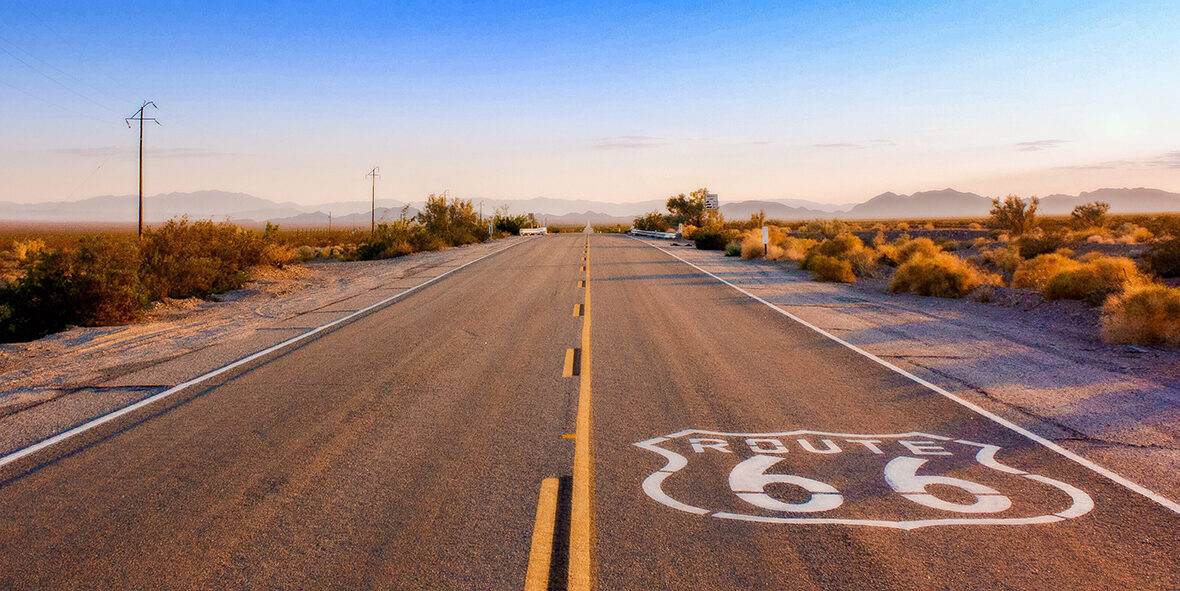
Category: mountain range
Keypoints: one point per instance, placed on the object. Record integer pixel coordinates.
(243, 208)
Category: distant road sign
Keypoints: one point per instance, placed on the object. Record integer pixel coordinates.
(711, 201)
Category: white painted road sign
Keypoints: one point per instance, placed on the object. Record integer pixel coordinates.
(902, 480)
(711, 201)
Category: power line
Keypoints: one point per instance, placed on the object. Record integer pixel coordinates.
(47, 76)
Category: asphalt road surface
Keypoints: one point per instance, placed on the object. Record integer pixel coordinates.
(730, 447)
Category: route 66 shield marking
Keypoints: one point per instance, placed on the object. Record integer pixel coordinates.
(902, 480)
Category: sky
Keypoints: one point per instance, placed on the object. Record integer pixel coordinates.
(829, 101)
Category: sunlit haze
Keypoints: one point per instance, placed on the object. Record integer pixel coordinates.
(602, 101)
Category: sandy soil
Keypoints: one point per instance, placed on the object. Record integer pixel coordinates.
(1039, 364)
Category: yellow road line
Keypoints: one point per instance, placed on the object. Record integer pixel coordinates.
(581, 558)
(568, 436)
(567, 369)
(541, 553)
(577, 309)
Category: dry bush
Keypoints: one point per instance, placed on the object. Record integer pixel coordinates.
(1129, 233)
(915, 248)
(1036, 273)
(1006, 259)
(1163, 256)
(1098, 277)
(752, 244)
(974, 226)
(794, 249)
(848, 248)
(1013, 215)
(688, 231)
(941, 275)
(826, 268)
(928, 226)
(904, 227)
(25, 250)
(1143, 315)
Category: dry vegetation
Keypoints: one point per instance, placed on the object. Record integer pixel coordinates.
(1128, 265)
(91, 276)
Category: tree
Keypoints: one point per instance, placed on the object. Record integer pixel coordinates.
(654, 222)
(688, 209)
(757, 220)
(1014, 215)
(1089, 215)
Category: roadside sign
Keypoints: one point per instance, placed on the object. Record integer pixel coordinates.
(902, 480)
(711, 201)
(765, 240)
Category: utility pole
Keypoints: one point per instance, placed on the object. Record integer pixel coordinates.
(376, 172)
(138, 116)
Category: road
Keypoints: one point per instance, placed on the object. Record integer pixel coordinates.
(720, 444)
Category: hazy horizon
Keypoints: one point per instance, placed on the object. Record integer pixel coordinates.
(607, 103)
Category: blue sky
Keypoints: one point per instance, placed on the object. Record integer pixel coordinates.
(833, 102)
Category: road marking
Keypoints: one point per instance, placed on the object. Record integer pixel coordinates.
(577, 309)
(1092, 466)
(567, 368)
(44, 443)
(581, 284)
(541, 553)
(581, 569)
(847, 491)
(568, 436)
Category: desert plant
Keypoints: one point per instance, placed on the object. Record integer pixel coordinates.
(733, 249)
(1129, 233)
(1005, 259)
(652, 222)
(794, 249)
(826, 268)
(1143, 315)
(96, 284)
(1097, 278)
(1163, 257)
(940, 275)
(1089, 215)
(915, 248)
(845, 247)
(712, 238)
(1036, 243)
(1036, 273)
(823, 229)
(1014, 215)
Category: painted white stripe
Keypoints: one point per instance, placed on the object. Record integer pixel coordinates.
(1116, 478)
(84, 427)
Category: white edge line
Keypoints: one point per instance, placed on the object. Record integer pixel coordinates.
(1116, 478)
(95, 422)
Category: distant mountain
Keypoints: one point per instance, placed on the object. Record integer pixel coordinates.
(1139, 200)
(944, 203)
(243, 208)
(774, 210)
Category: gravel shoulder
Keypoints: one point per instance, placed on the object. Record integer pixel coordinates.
(52, 384)
(1039, 364)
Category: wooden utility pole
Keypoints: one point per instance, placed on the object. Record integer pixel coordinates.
(376, 172)
(138, 116)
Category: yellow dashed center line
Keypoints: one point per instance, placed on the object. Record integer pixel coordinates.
(581, 570)
(541, 553)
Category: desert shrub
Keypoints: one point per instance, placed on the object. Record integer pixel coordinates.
(904, 227)
(826, 268)
(940, 275)
(1036, 273)
(1098, 277)
(733, 249)
(974, 226)
(823, 229)
(793, 249)
(99, 283)
(752, 244)
(653, 222)
(688, 231)
(1013, 215)
(449, 222)
(1129, 233)
(504, 222)
(845, 247)
(1038, 243)
(26, 250)
(1005, 259)
(1089, 215)
(1163, 257)
(711, 238)
(183, 259)
(1143, 315)
(928, 226)
(915, 248)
